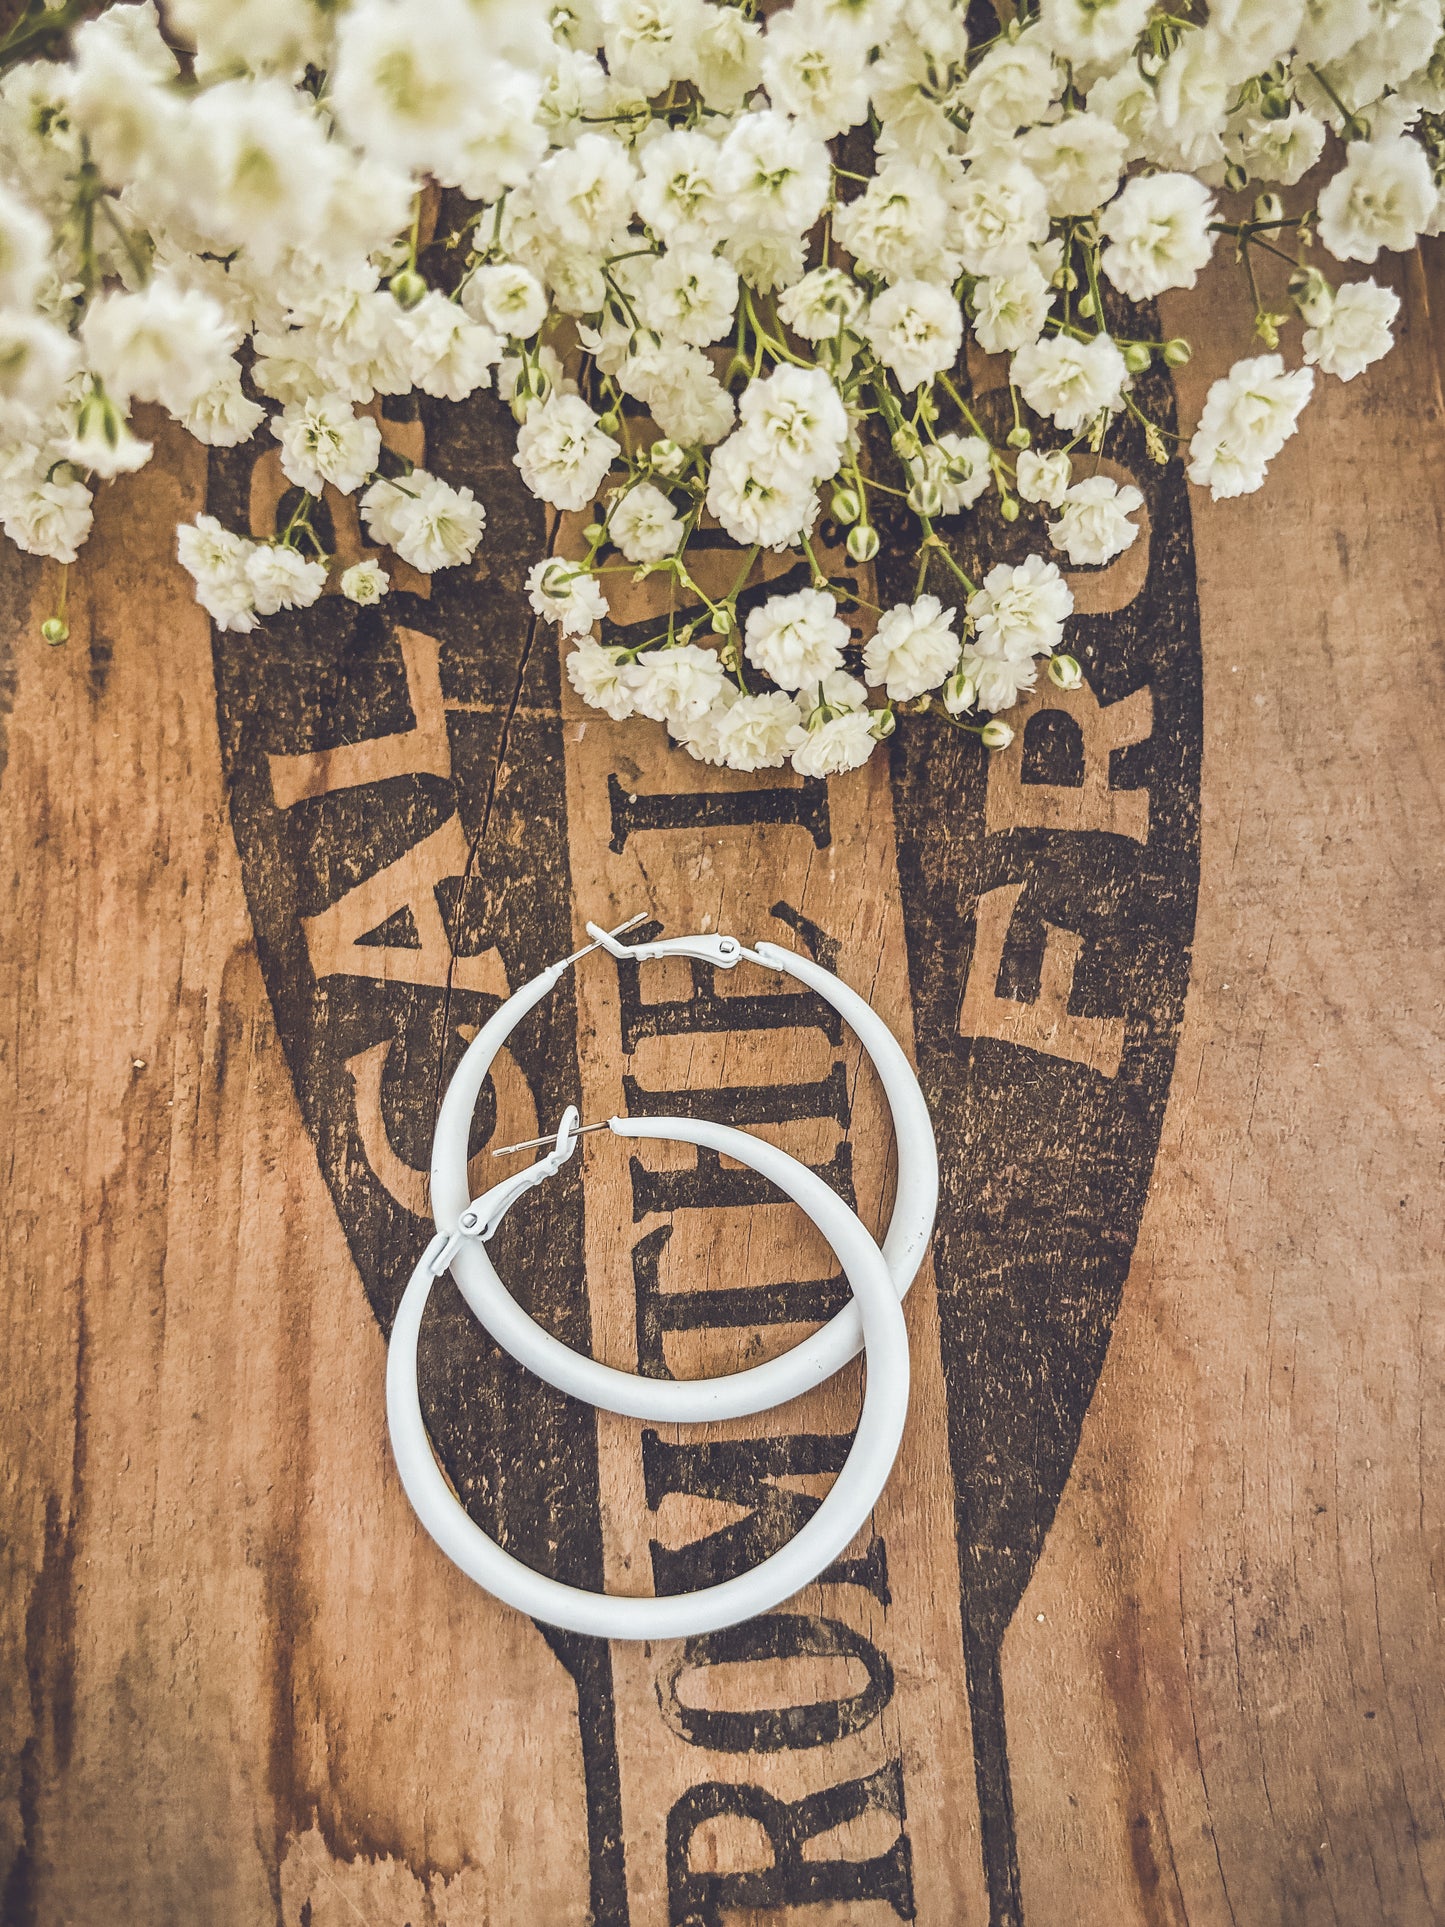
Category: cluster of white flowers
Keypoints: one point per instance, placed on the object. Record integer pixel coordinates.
(704, 322)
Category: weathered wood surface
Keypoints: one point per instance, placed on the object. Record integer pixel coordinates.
(1161, 1650)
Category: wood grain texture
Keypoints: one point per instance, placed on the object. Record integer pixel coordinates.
(240, 1686)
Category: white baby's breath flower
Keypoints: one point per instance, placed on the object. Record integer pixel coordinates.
(815, 67)
(47, 515)
(997, 682)
(1070, 381)
(1043, 478)
(1020, 611)
(1248, 416)
(649, 42)
(364, 583)
(1014, 84)
(282, 578)
(215, 558)
(772, 176)
(1383, 197)
(677, 191)
(583, 194)
(645, 525)
(1000, 211)
(444, 351)
(689, 295)
(563, 454)
(1078, 160)
(678, 385)
(676, 685)
(727, 58)
(757, 500)
(508, 297)
(600, 677)
(101, 443)
(223, 415)
(796, 418)
(893, 230)
(1009, 310)
(916, 329)
(913, 649)
(165, 344)
(1093, 524)
(569, 596)
(323, 441)
(24, 250)
(429, 523)
(1158, 234)
(842, 743)
(796, 639)
(1354, 330)
(1092, 33)
(822, 304)
(958, 466)
(758, 732)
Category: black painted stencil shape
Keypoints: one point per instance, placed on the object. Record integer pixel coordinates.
(1046, 1158)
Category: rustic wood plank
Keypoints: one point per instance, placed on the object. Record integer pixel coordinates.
(1134, 1684)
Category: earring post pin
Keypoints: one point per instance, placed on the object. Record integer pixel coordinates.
(621, 930)
(536, 1143)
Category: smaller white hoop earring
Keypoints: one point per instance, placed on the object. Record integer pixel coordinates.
(684, 1401)
(819, 1542)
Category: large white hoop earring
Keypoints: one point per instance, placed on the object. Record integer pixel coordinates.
(820, 1541)
(737, 1394)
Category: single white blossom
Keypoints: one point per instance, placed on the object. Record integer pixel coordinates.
(842, 743)
(563, 454)
(1355, 329)
(1069, 380)
(1020, 611)
(1383, 197)
(796, 639)
(1158, 234)
(364, 583)
(1248, 416)
(1043, 478)
(323, 441)
(913, 649)
(601, 678)
(645, 525)
(757, 732)
(282, 578)
(916, 329)
(1093, 524)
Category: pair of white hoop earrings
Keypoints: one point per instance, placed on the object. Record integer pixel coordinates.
(873, 1320)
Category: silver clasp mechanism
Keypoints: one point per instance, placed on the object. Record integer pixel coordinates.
(725, 952)
(484, 1215)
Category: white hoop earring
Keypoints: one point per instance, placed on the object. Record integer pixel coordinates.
(737, 1394)
(820, 1541)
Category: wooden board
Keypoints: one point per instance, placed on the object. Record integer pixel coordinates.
(1143, 1630)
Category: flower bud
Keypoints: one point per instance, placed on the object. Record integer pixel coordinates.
(608, 422)
(1064, 672)
(846, 506)
(995, 735)
(960, 693)
(55, 630)
(1088, 307)
(1008, 508)
(1274, 102)
(884, 723)
(1235, 178)
(1177, 352)
(927, 406)
(862, 542)
(408, 287)
(1136, 357)
(925, 497)
(667, 457)
(593, 533)
(1019, 437)
(1268, 207)
(724, 622)
(906, 444)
